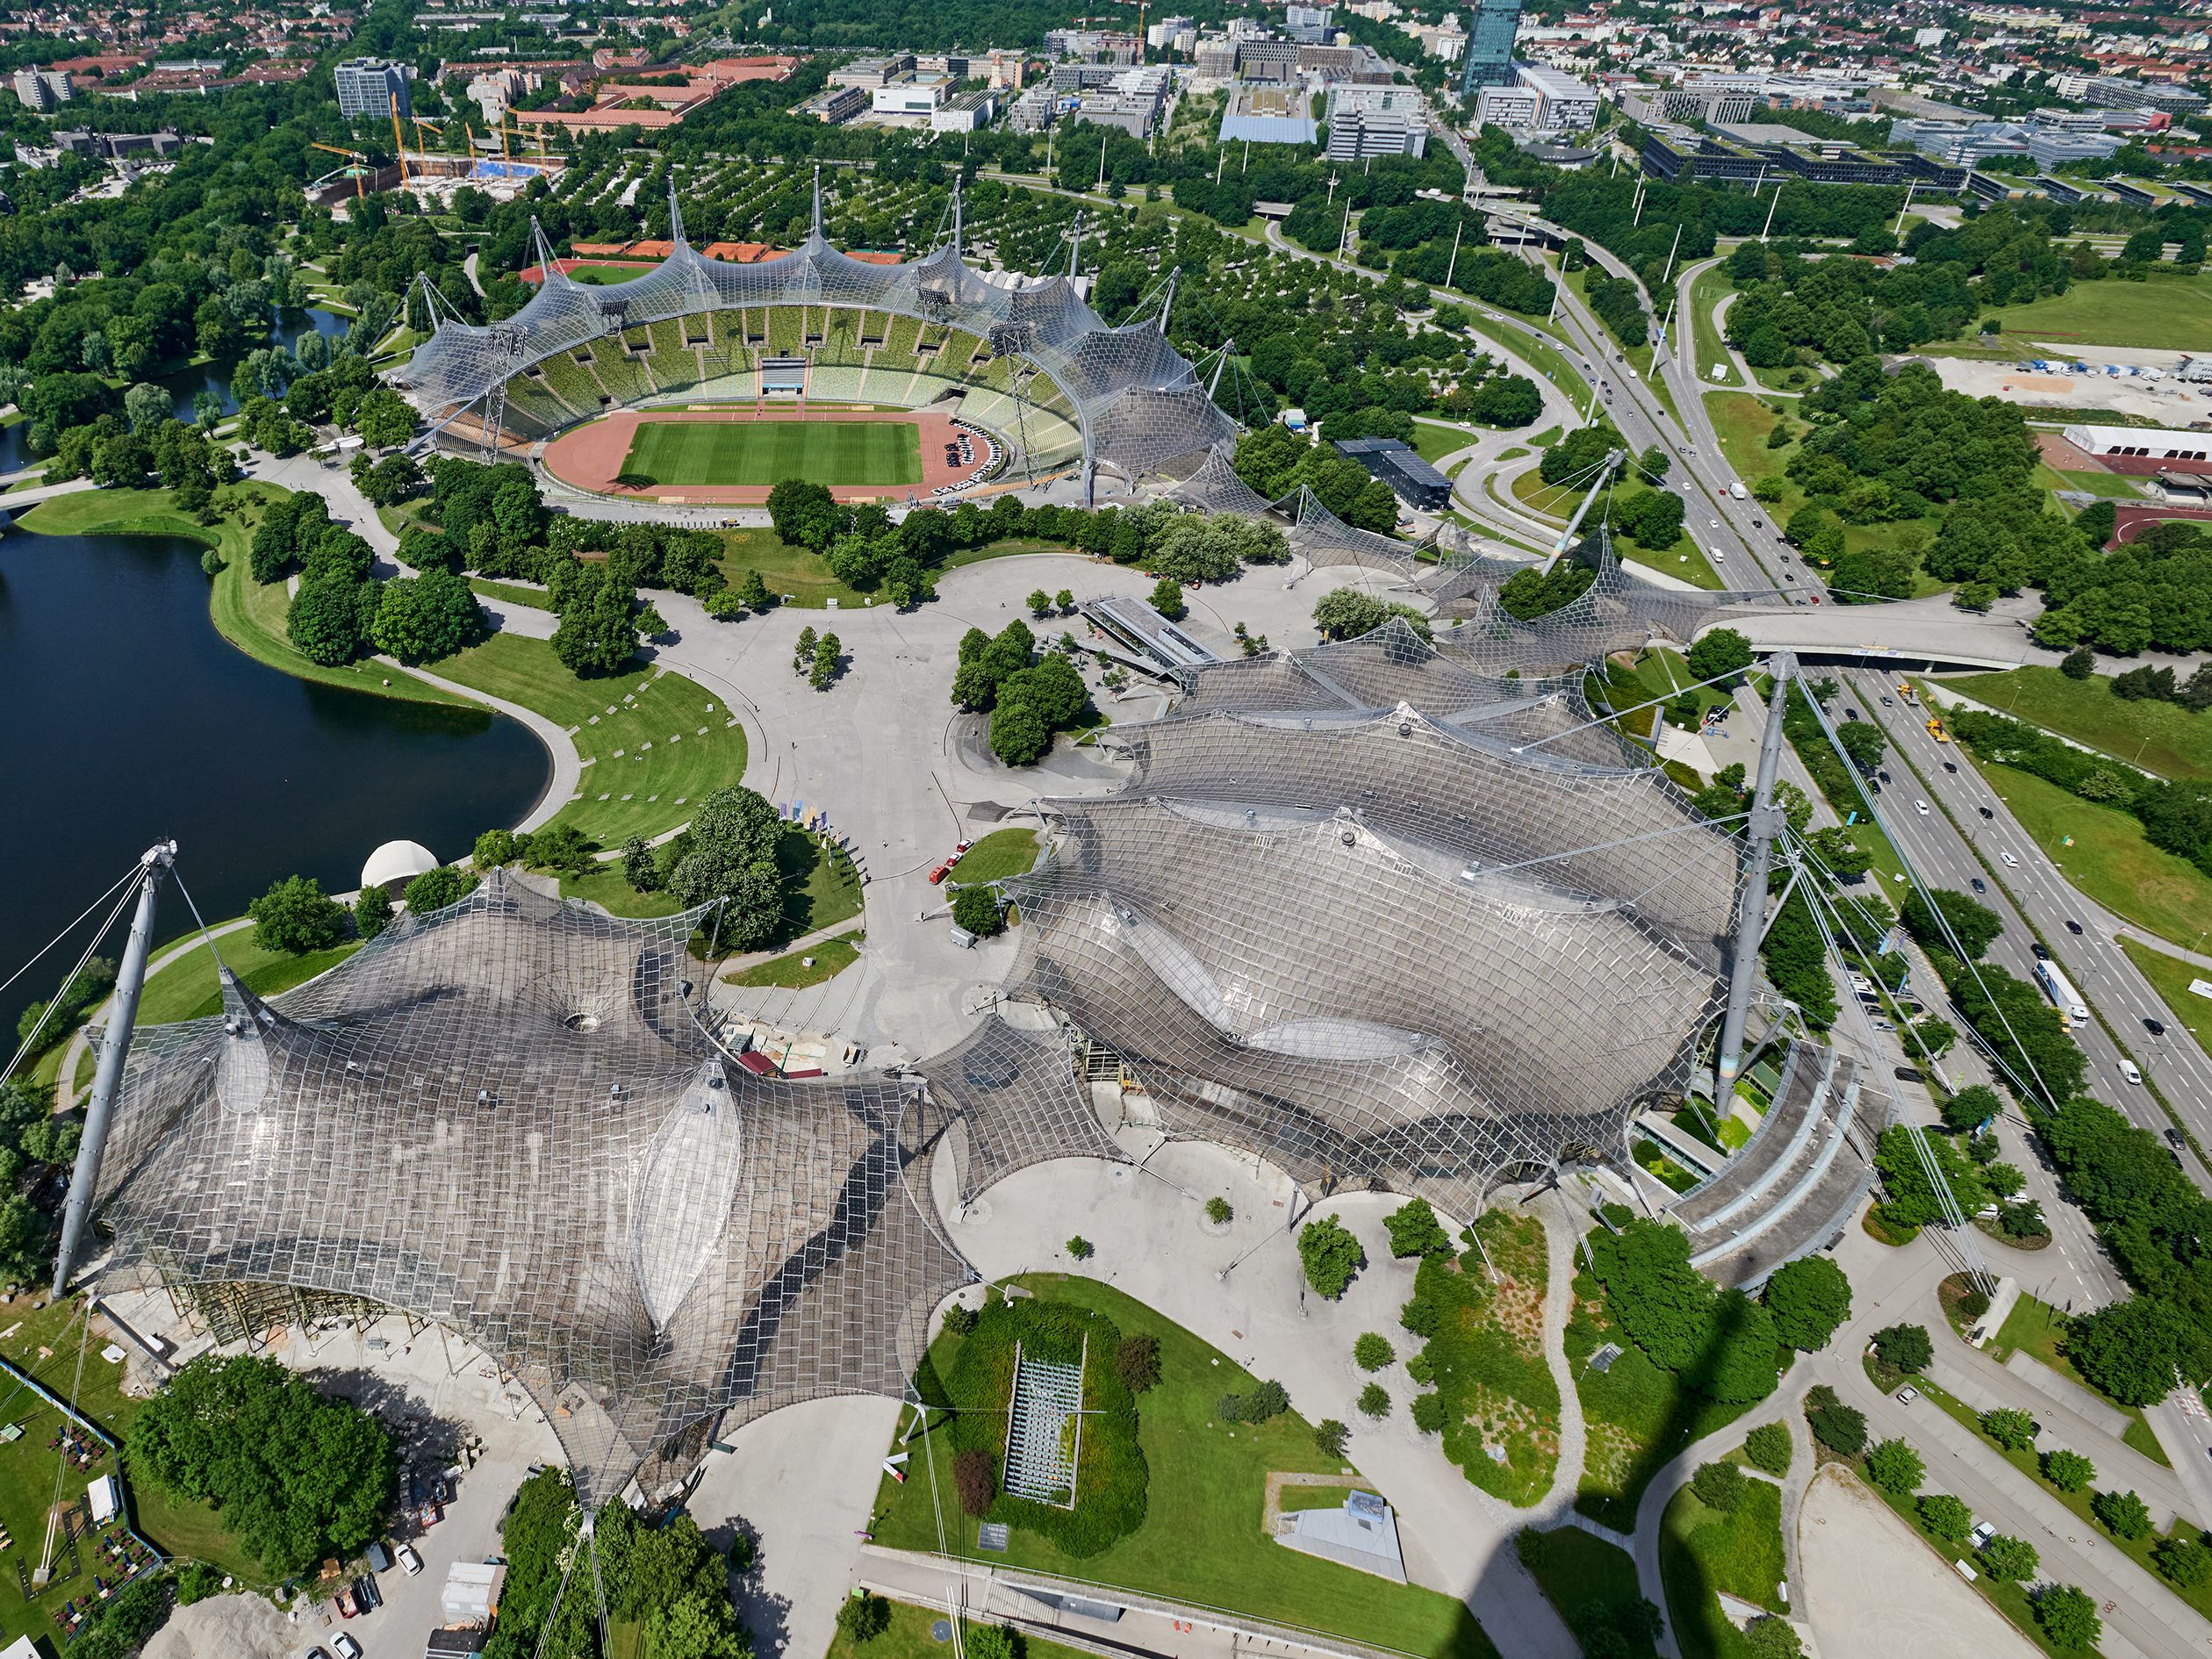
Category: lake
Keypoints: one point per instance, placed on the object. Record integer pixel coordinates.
(133, 720)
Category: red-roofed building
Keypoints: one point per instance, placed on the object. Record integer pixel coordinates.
(730, 70)
(603, 250)
(743, 253)
(873, 256)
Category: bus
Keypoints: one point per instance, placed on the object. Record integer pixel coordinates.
(2062, 993)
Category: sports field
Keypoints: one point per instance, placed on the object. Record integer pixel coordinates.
(766, 452)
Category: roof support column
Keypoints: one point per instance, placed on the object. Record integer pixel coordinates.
(1767, 820)
(107, 1080)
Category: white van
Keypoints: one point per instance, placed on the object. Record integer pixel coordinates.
(1922, 805)
(2129, 1071)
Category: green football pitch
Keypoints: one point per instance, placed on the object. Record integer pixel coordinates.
(699, 452)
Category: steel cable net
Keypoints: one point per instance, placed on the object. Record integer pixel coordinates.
(1138, 401)
(1317, 535)
(550, 1155)
(1391, 665)
(1359, 950)
(1004, 1099)
(1616, 612)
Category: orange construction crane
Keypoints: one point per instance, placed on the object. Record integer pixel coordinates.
(398, 144)
(422, 150)
(359, 160)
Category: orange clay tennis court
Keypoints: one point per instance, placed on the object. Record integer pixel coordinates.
(592, 456)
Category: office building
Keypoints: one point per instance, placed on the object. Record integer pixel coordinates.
(1269, 115)
(1568, 105)
(372, 86)
(1490, 45)
(1362, 133)
(911, 95)
(1413, 480)
(2109, 93)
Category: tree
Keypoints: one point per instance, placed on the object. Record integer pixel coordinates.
(421, 619)
(1137, 1362)
(732, 859)
(1019, 735)
(1081, 1248)
(2013, 1558)
(1972, 1106)
(1896, 1467)
(2186, 1561)
(1718, 1486)
(2124, 1515)
(1416, 1232)
(1347, 614)
(1168, 598)
(1808, 1299)
(638, 867)
(298, 1478)
(1429, 1414)
(977, 909)
(1422, 1317)
(1332, 1437)
(384, 419)
(1374, 1402)
(802, 650)
(372, 912)
(296, 916)
(1906, 1347)
(2133, 1350)
(1039, 603)
(434, 889)
(2068, 1471)
(1771, 1638)
(1955, 924)
(326, 621)
(1840, 1428)
(1768, 1448)
(1946, 1518)
(1329, 1255)
(1373, 1351)
(1220, 1212)
(752, 592)
(863, 1616)
(1863, 743)
(825, 662)
(1723, 650)
(2010, 1427)
(2069, 1616)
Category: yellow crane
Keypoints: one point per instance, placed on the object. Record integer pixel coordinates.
(359, 160)
(398, 144)
(422, 150)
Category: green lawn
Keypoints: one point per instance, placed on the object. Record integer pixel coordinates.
(1201, 1540)
(2112, 485)
(802, 968)
(602, 276)
(787, 569)
(996, 857)
(2108, 860)
(1706, 292)
(2174, 312)
(250, 616)
(2040, 1330)
(187, 988)
(508, 593)
(653, 743)
(753, 452)
(2158, 736)
(1432, 442)
(2171, 978)
(1741, 423)
(605, 885)
(909, 1637)
(1590, 1583)
(1703, 1552)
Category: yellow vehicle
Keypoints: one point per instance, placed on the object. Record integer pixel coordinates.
(1910, 694)
(1935, 730)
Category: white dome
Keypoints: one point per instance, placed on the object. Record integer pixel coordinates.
(397, 861)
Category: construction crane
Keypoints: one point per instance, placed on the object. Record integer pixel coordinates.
(398, 144)
(360, 165)
(422, 150)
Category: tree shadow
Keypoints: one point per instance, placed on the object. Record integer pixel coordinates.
(767, 1615)
(428, 1442)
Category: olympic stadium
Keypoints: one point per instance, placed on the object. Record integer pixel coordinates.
(1386, 914)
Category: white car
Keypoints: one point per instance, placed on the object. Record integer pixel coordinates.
(2011, 863)
(409, 1561)
(1984, 1531)
(1716, 523)
(1922, 805)
(1905, 1397)
(347, 1647)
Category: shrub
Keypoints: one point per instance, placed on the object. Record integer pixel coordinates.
(2068, 1471)
(2124, 1515)
(1771, 1638)
(990, 1641)
(1840, 1428)
(1218, 1212)
(863, 1617)
(1906, 1347)
(975, 1480)
(1415, 1231)
(197, 1583)
(1896, 1467)
(1532, 1545)
(958, 1321)
(1718, 1486)
(1329, 1255)
(1375, 1401)
(1768, 1447)
(1269, 1399)
(1428, 1412)
(1332, 1436)
(1230, 1408)
(1373, 1351)
(1137, 1362)
(1081, 1248)
(1421, 1317)
(1946, 1518)
(2010, 1427)
(296, 916)
(2069, 1617)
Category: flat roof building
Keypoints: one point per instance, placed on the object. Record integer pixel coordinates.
(1411, 479)
(372, 86)
(1269, 115)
